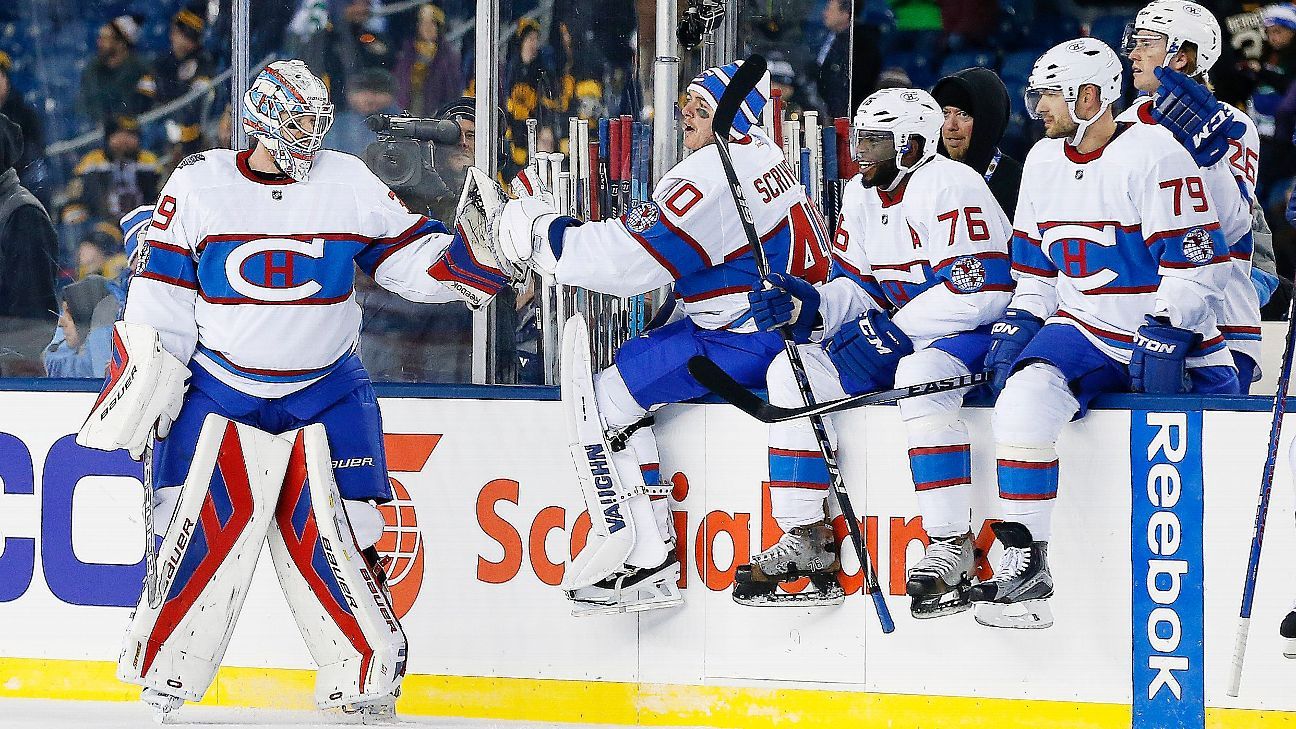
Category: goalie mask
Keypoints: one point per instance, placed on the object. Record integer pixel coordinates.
(884, 130)
(1178, 22)
(1068, 67)
(287, 108)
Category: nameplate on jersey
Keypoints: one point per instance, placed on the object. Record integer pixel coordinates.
(251, 269)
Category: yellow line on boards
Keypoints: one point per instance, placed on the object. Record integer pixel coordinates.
(606, 702)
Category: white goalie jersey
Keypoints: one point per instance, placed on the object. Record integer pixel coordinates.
(253, 278)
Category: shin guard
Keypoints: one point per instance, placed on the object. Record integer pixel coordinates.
(340, 607)
(206, 560)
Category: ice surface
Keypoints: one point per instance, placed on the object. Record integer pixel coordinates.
(43, 714)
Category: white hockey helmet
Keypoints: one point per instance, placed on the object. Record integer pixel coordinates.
(287, 108)
(1180, 21)
(1066, 68)
(886, 123)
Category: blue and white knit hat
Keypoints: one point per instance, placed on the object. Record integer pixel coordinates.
(1280, 14)
(711, 84)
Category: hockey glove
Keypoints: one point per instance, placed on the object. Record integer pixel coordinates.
(785, 301)
(474, 275)
(1290, 215)
(868, 350)
(1008, 337)
(1158, 363)
(529, 232)
(1201, 123)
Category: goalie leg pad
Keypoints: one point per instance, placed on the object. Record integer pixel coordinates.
(338, 602)
(206, 561)
(613, 527)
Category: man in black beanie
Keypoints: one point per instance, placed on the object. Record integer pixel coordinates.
(28, 255)
(976, 109)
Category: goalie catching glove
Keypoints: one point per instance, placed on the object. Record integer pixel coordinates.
(472, 265)
(141, 396)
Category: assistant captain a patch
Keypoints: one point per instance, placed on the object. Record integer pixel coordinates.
(642, 216)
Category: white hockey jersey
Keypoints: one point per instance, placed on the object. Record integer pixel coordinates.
(1103, 238)
(934, 251)
(254, 279)
(1231, 182)
(689, 233)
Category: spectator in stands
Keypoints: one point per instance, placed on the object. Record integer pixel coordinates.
(101, 253)
(1273, 104)
(976, 106)
(841, 83)
(359, 37)
(113, 180)
(28, 258)
(83, 342)
(174, 74)
(783, 78)
(370, 91)
(527, 84)
(427, 70)
(13, 106)
(109, 85)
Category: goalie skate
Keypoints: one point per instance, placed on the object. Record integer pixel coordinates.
(803, 551)
(631, 590)
(163, 704)
(939, 583)
(1288, 631)
(1017, 596)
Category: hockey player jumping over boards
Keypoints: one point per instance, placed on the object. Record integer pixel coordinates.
(237, 349)
(920, 272)
(1119, 259)
(1171, 45)
(690, 234)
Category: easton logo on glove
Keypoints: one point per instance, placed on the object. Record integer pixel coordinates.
(1153, 345)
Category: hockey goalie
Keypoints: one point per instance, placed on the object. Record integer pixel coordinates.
(237, 352)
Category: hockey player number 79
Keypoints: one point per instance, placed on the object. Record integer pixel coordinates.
(1195, 189)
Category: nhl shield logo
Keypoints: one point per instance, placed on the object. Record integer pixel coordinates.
(967, 273)
(1197, 246)
(642, 216)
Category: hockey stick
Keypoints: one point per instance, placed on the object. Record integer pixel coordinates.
(150, 548)
(748, 75)
(731, 391)
(1262, 507)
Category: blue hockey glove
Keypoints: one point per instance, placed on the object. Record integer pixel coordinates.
(1290, 215)
(1194, 116)
(1008, 337)
(1157, 365)
(1265, 284)
(868, 350)
(787, 301)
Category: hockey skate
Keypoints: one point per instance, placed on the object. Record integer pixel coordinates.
(804, 551)
(381, 710)
(939, 583)
(163, 704)
(1017, 596)
(1288, 631)
(631, 589)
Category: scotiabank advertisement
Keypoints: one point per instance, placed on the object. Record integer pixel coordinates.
(487, 512)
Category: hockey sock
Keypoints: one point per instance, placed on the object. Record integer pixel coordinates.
(940, 459)
(1028, 485)
(798, 486)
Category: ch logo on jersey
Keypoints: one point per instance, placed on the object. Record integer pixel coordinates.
(241, 269)
(1083, 253)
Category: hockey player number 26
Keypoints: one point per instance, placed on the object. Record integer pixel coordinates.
(1196, 191)
(976, 226)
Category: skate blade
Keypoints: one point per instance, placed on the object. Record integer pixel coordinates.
(1025, 615)
(648, 599)
(1289, 648)
(805, 598)
(938, 610)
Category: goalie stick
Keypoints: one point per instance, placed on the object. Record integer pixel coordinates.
(731, 391)
(1262, 507)
(748, 75)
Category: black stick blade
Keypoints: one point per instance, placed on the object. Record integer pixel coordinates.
(749, 74)
(719, 382)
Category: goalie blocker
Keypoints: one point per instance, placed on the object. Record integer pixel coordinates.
(245, 486)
